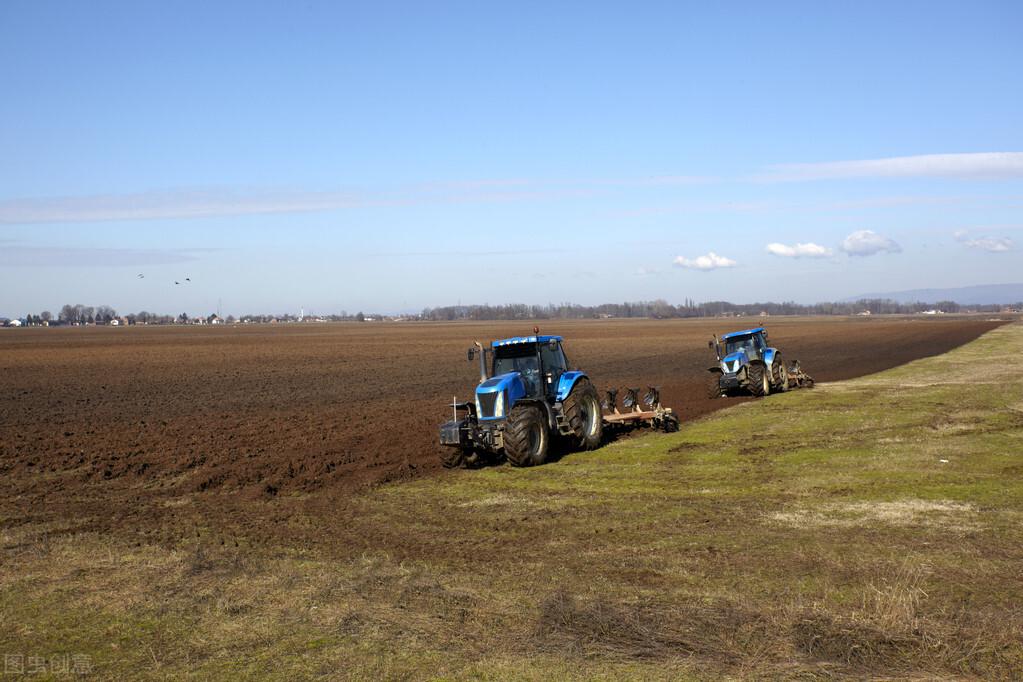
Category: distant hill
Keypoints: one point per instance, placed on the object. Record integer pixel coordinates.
(975, 295)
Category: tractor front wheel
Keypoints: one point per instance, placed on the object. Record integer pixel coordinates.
(526, 436)
(714, 386)
(452, 458)
(582, 412)
(759, 380)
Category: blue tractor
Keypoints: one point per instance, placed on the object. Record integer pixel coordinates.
(527, 395)
(746, 364)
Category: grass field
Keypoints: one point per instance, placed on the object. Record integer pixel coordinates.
(867, 527)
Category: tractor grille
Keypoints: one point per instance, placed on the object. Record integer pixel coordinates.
(487, 403)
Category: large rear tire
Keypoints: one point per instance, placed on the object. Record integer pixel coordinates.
(526, 436)
(583, 415)
(759, 381)
(781, 373)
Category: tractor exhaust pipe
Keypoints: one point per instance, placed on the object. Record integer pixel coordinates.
(484, 371)
(716, 346)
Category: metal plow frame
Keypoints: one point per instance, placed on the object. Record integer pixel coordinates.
(657, 416)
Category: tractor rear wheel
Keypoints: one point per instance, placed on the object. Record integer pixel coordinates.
(759, 381)
(526, 436)
(782, 373)
(714, 386)
(582, 413)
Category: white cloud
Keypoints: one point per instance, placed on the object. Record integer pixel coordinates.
(799, 250)
(992, 244)
(711, 261)
(867, 243)
(975, 165)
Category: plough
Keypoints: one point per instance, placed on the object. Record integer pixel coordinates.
(656, 416)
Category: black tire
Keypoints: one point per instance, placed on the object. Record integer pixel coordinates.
(526, 436)
(583, 415)
(452, 458)
(759, 381)
(782, 374)
(714, 386)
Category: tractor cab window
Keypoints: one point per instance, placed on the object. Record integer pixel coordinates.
(554, 362)
(744, 343)
(519, 358)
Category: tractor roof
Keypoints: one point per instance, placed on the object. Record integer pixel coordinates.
(525, 339)
(744, 332)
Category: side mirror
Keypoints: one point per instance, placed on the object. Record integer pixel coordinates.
(710, 344)
(471, 353)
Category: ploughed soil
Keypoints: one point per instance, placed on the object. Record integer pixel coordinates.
(163, 431)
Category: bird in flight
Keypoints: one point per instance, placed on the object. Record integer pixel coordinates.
(177, 282)
(188, 279)
(141, 276)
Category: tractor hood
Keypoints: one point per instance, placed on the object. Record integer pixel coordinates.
(731, 363)
(495, 396)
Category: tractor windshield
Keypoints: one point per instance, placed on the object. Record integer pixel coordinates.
(521, 358)
(750, 344)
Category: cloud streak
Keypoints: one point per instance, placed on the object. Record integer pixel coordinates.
(169, 204)
(217, 202)
(984, 165)
(69, 256)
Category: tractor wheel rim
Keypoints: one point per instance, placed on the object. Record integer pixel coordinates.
(589, 416)
(534, 438)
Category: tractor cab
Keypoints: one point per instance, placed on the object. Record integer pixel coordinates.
(522, 367)
(742, 347)
(539, 360)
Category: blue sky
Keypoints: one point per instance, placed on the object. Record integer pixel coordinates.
(391, 156)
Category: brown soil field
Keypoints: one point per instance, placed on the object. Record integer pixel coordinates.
(113, 427)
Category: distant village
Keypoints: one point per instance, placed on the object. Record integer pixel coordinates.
(81, 316)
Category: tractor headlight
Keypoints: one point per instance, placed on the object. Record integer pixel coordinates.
(499, 405)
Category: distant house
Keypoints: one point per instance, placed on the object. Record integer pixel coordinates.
(115, 322)
(14, 323)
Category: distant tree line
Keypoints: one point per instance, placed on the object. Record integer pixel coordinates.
(79, 314)
(663, 310)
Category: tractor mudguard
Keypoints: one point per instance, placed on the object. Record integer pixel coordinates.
(769, 356)
(566, 382)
